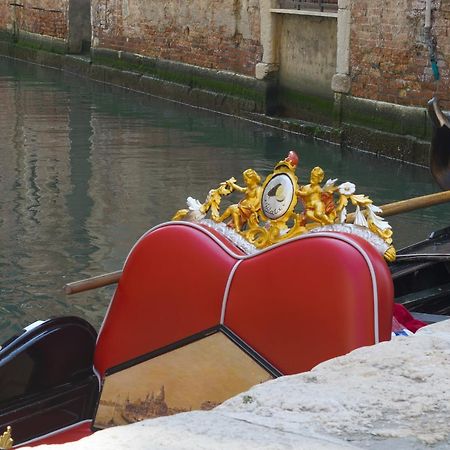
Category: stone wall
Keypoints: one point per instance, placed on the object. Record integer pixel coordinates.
(217, 34)
(305, 60)
(79, 19)
(43, 17)
(306, 66)
(389, 55)
(441, 31)
(5, 17)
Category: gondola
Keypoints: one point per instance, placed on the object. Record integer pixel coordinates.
(422, 278)
(228, 296)
(421, 272)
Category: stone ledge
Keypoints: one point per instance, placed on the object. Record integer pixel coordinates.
(386, 117)
(405, 148)
(195, 77)
(300, 12)
(341, 83)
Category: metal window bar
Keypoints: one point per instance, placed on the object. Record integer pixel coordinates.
(310, 5)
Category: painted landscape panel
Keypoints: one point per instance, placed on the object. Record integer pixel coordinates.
(197, 376)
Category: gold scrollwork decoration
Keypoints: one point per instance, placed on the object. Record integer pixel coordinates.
(267, 212)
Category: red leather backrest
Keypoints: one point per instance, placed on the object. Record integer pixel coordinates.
(296, 304)
(311, 299)
(172, 286)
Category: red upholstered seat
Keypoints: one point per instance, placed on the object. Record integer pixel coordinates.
(172, 286)
(311, 299)
(296, 304)
(69, 434)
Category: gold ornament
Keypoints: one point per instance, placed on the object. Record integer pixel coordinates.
(266, 215)
(6, 442)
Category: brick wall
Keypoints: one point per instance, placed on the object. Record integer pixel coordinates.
(441, 28)
(46, 17)
(389, 58)
(219, 34)
(5, 16)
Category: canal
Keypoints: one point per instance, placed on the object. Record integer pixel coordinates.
(87, 168)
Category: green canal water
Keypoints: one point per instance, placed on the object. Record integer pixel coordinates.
(86, 169)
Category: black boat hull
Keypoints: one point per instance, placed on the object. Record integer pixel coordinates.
(46, 378)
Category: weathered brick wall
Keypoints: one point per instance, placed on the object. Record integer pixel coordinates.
(46, 17)
(441, 30)
(5, 16)
(389, 58)
(219, 34)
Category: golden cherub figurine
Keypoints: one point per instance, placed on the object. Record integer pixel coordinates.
(248, 208)
(318, 203)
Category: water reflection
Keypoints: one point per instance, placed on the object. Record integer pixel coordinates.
(86, 169)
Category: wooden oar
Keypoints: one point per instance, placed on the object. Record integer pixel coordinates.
(411, 204)
(93, 283)
(387, 210)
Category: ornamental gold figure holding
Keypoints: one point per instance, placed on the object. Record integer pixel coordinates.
(318, 203)
(267, 213)
(248, 208)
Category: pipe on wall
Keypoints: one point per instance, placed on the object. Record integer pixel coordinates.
(430, 42)
(428, 14)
